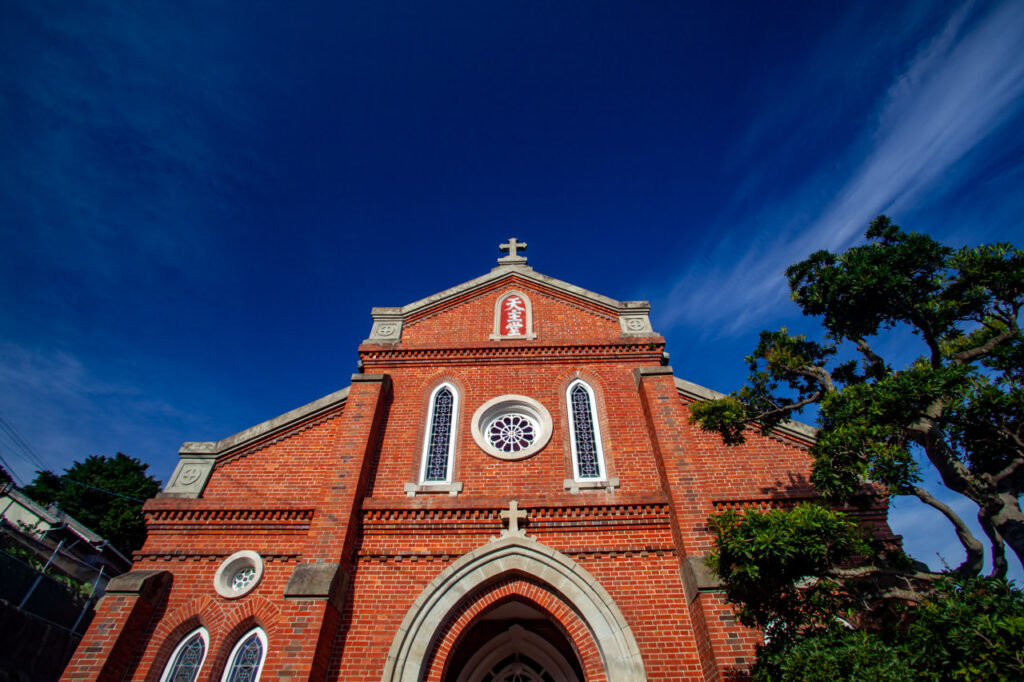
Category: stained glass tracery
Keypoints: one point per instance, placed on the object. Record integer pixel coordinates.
(511, 432)
(588, 456)
(243, 578)
(188, 658)
(439, 444)
(245, 664)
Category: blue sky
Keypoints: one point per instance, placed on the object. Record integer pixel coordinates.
(200, 202)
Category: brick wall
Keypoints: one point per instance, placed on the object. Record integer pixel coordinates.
(332, 490)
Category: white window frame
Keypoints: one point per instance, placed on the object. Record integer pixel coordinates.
(258, 631)
(424, 458)
(599, 444)
(204, 635)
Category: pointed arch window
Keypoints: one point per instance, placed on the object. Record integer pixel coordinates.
(585, 433)
(439, 440)
(187, 658)
(246, 660)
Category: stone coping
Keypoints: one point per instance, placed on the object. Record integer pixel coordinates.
(793, 429)
(283, 422)
(524, 271)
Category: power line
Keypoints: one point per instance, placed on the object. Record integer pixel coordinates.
(10, 470)
(27, 451)
(29, 454)
(102, 490)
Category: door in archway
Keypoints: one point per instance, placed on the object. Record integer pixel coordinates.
(514, 643)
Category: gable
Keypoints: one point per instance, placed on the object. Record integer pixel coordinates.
(538, 314)
(553, 312)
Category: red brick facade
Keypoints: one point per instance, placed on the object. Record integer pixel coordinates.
(369, 575)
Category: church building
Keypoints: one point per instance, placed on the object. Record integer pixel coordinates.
(509, 489)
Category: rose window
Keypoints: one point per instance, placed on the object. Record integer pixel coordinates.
(511, 433)
(511, 427)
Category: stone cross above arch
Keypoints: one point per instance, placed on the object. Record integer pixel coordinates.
(512, 246)
(513, 515)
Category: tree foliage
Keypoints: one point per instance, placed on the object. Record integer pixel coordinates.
(85, 490)
(965, 630)
(833, 602)
(836, 654)
(775, 565)
(958, 405)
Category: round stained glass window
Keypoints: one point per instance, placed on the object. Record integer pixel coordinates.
(511, 427)
(511, 432)
(243, 578)
(239, 574)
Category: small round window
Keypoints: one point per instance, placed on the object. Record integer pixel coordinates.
(511, 427)
(243, 578)
(238, 574)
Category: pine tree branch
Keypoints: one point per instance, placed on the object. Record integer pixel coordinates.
(905, 595)
(999, 565)
(874, 360)
(1007, 471)
(972, 354)
(954, 473)
(975, 560)
(785, 409)
(819, 374)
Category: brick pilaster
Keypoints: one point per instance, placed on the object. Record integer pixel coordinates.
(680, 474)
(106, 651)
(316, 590)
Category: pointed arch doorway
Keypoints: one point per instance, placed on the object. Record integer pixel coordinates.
(513, 642)
(445, 634)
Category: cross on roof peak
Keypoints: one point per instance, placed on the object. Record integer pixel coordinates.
(512, 246)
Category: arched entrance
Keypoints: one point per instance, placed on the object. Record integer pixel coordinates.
(514, 643)
(517, 627)
(438, 630)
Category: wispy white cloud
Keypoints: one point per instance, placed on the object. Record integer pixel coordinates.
(961, 86)
(67, 408)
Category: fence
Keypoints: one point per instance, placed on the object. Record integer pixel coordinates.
(49, 581)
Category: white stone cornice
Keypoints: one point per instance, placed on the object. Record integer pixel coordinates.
(633, 315)
(198, 458)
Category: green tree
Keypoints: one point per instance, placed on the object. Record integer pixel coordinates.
(957, 406)
(104, 493)
(836, 606)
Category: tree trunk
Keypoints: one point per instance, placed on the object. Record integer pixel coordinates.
(1009, 521)
(999, 566)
